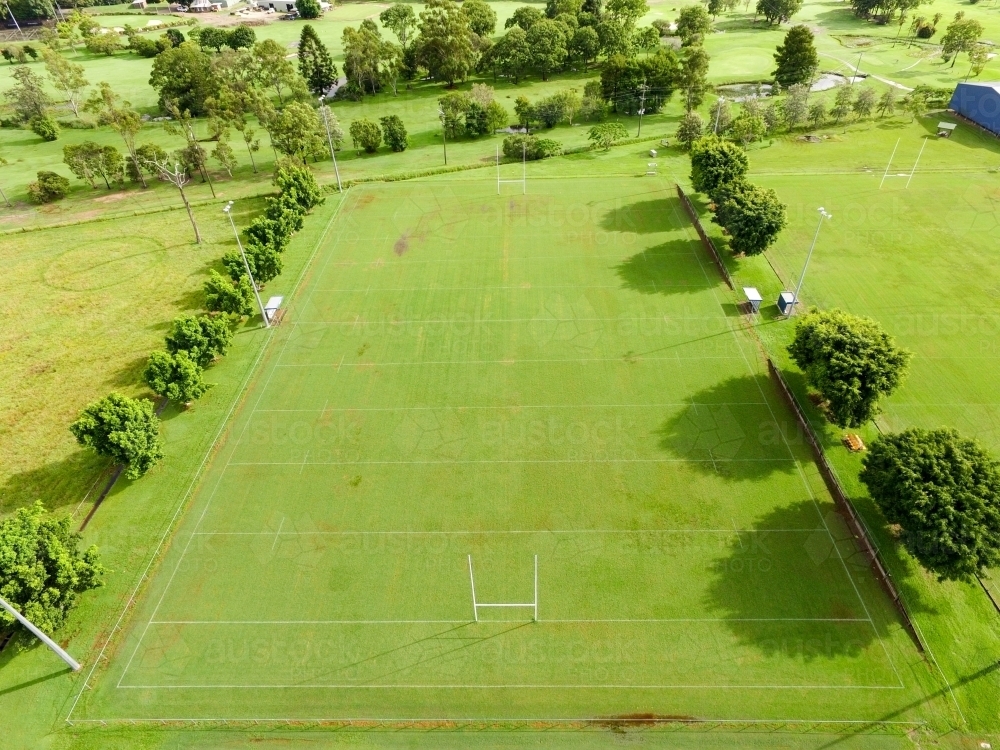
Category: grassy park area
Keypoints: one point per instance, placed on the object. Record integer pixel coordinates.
(466, 379)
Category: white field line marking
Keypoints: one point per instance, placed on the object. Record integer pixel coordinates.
(733, 530)
(479, 261)
(477, 321)
(180, 504)
(277, 534)
(211, 497)
(326, 408)
(568, 360)
(490, 461)
(557, 621)
(492, 720)
(507, 287)
(514, 686)
(812, 496)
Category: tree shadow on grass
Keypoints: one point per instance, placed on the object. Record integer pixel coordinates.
(128, 374)
(782, 588)
(665, 269)
(57, 484)
(728, 431)
(641, 217)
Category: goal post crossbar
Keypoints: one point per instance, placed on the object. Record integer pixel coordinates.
(477, 605)
(524, 172)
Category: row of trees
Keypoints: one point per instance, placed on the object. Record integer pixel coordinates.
(940, 488)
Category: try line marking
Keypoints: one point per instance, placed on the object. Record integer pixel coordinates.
(733, 530)
(515, 686)
(546, 621)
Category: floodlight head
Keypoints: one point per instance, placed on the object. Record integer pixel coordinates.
(227, 207)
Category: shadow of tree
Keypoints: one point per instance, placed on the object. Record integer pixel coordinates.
(640, 217)
(728, 431)
(128, 374)
(57, 484)
(782, 587)
(658, 270)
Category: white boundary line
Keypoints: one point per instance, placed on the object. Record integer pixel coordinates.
(477, 362)
(498, 532)
(490, 461)
(493, 719)
(513, 686)
(558, 621)
(507, 407)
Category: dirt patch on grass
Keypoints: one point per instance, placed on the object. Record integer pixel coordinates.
(365, 200)
(401, 245)
(111, 197)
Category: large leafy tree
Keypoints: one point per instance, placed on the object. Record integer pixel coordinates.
(796, 58)
(511, 56)
(222, 295)
(693, 24)
(524, 17)
(42, 569)
(309, 9)
(296, 130)
(315, 64)
(481, 17)
(445, 42)
(27, 96)
(943, 491)
(124, 429)
(752, 215)
(276, 71)
(363, 53)
(961, 36)
(716, 164)
(177, 377)
(693, 78)
(400, 20)
(850, 360)
(184, 75)
(67, 77)
(630, 84)
(778, 11)
(548, 47)
(122, 118)
(203, 337)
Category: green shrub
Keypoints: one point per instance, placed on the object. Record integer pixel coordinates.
(530, 146)
(124, 429)
(394, 132)
(49, 187)
(366, 135)
(222, 295)
(44, 127)
(176, 377)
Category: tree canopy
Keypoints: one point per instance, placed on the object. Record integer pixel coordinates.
(752, 215)
(778, 11)
(796, 58)
(124, 429)
(203, 337)
(42, 569)
(850, 360)
(943, 490)
(716, 163)
(445, 42)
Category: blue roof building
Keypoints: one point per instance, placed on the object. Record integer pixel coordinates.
(979, 102)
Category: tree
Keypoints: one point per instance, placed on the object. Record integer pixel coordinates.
(796, 57)
(124, 429)
(496, 117)
(308, 9)
(315, 64)
(606, 134)
(224, 154)
(42, 569)
(363, 50)
(66, 77)
(104, 44)
(210, 37)
(265, 263)
(915, 103)
(203, 337)
(943, 490)
(222, 295)
(796, 106)
(864, 103)
(979, 55)
(184, 75)
(241, 37)
(715, 164)
(626, 12)
(753, 216)
(693, 24)
(778, 11)
(842, 101)
(851, 361)
(48, 188)
(512, 55)
(747, 128)
(524, 112)
(89, 159)
(394, 132)
(693, 78)
(548, 47)
(817, 114)
(721, 116)
(525, 16)
(482, 19)
(445, 43)
(690, 129)
(887, 102)
(961, 35)
(453, 107)
(176, 377)
(277, 71)
(365, 135)
(175, 36)
(296, 132)
(400, 20)
(584, 45)
(715, 7)
(27, 96)
(44, 127)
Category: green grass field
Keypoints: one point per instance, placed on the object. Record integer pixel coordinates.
(557, 374)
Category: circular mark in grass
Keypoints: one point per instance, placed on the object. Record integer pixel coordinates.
(104, 263)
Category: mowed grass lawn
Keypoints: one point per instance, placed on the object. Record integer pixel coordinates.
(920, 259)
(85, 305)
(558, 374)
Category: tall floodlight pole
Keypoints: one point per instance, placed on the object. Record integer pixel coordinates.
(444, 135)
(718, 111)
(14, 19)
(70, 661)
(246, 264)
(329, 139)
(798, 287)
(642, 107)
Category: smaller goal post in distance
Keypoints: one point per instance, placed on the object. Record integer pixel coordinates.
(477, 605)
(524, 171)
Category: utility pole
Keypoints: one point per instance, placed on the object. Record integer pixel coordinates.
(718, 111)
(642, 106)
(329, 138)
(795, 297)
(246, 264)
(444, 135)
(14, 19)
(70, 661)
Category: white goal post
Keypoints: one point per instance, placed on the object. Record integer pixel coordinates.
(477, 605)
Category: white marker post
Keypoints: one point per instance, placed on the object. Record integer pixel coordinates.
(73, 664)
